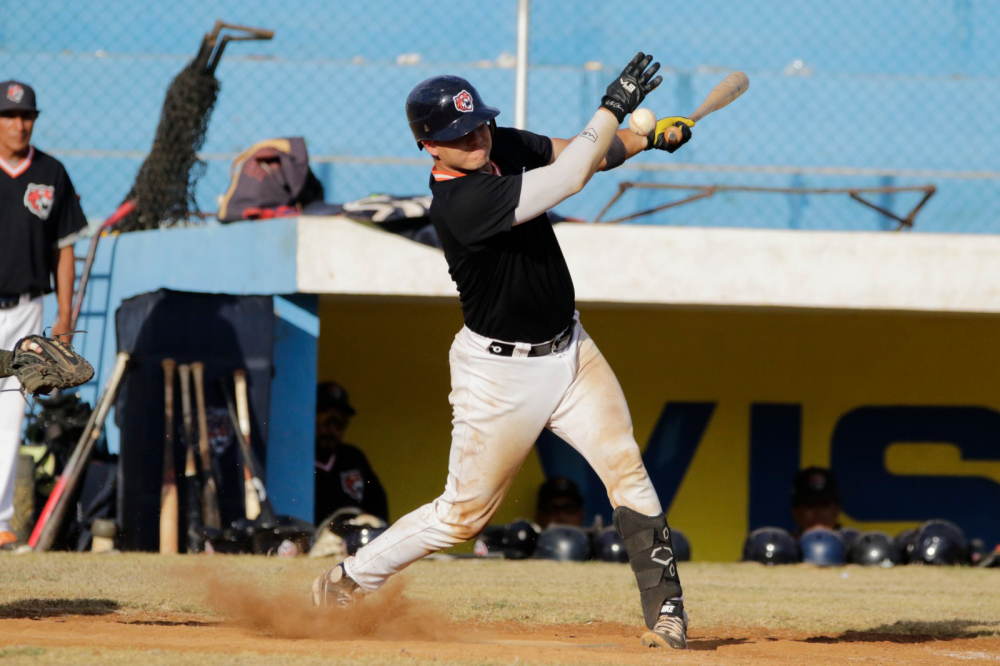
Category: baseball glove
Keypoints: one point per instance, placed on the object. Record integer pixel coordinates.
(42, 364)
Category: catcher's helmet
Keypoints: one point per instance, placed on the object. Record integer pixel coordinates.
(514, 542)
(874, 548)
(939, 542)
(822, 546)
(564, 543)
(444, 108)
(770, 545)
(608, 546)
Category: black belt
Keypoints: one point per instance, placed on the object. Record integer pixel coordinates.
(8, 301)
(553, 346)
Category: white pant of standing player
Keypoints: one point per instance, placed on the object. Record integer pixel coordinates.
(15, 323)
(500, 405)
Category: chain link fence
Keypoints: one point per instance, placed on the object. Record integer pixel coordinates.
(853, 94)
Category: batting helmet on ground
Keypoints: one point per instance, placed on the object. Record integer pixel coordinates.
(608, 546)
(563, 543)
(874, 548)
(513, 542)
(770, 545)
(849, 534)
(939, 542)
(444, 108)
(822, 546)
(904, 542)
(682, 547)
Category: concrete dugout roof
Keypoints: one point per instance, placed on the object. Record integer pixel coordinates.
(672, 266)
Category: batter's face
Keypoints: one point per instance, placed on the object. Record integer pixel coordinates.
(466, 153)
(15, 133)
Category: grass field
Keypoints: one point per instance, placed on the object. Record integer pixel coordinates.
(89, 609)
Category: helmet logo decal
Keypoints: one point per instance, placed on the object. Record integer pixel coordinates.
(463, 101)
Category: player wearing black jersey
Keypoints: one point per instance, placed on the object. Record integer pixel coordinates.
(523, 362)
(40, 217)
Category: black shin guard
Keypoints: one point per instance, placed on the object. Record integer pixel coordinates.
(651, 554)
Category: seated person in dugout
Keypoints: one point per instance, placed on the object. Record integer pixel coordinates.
(343, 475)
(559, 501)
(815, 500)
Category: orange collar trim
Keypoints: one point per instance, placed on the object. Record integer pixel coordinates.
(15, 171)
(439, 175)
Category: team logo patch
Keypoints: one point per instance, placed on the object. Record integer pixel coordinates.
(353, 483)
(463, 101)
(15, 93)
(38, 199)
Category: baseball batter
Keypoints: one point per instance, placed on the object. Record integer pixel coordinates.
(523, 362)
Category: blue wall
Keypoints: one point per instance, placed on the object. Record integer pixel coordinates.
(893, 85)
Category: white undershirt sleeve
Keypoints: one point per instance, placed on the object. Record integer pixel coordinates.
(543, 188)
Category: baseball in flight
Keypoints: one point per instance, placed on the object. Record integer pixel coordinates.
(642, 122)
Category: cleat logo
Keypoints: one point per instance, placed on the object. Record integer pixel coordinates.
(463, 101)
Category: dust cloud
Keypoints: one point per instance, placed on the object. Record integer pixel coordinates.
(384, 615)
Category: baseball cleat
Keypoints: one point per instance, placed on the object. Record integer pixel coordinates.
(335, 589)
(671, 629)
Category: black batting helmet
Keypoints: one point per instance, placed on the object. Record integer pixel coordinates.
(608, 546)
(939, 542)
(875, 548)
(515, 541)
(770, 545)
(446, 107)
(565, 543)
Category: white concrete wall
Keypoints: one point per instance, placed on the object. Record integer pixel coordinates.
(689, 266)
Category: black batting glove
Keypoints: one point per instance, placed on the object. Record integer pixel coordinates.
(659, 138)
(626, 93)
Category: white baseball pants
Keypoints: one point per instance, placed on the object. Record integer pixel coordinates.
(15, 323)
(500, 406)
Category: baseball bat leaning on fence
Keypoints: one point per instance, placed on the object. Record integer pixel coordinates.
(266, 517)
(209, 495)
(722, 95)
(52, 516)
(243, 413)
(123, 210)
(192, 489)
(168, 490)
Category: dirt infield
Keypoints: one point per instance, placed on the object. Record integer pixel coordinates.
(182, 638)
(87, 609)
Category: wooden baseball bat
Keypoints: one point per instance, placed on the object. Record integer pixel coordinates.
(168, 489)
(209, 495)
(192, 490)
(722, 95)
(53, 513)
(251, 499)
(267, 516)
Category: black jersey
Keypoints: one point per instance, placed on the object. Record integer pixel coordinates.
(38, 210)
(346, 479)
(513, 280)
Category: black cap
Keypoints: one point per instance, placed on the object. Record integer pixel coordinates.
(556, 488)
(331, 395)
(17, 96)
(814, 485)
